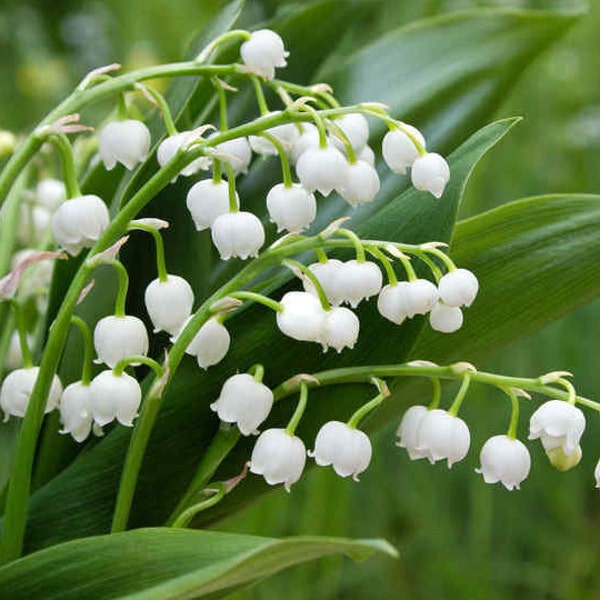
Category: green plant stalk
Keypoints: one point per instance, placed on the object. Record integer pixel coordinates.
(285, 163)
(223, 122)
(161, 266)
(461, 395)
(121, 298)
(187, 515)
(514, 413)
(88, 349)
(300, 408)
(22, 333)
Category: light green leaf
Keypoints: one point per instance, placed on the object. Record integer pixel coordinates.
(166, 564)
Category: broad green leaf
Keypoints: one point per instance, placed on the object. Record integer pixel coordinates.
(166, 564)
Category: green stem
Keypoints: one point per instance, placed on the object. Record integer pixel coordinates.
(161, 266)
(321, 255)
(386, 262)
(88, 349)
(285, 163)
(462, 392)
(68, 164)
(364, 410)
(145, 360)
(187, 515)
(22, 333)
(435, 270)
(443, 257)
(320, 123)
(17, 162)
(410, 272)
(300, 408)
(356, 242)
(570, 389)
(163, 107)
(514, 413)
(260, 95)
(233, 206)
(437, 393)
(121, 298)
(340, 133)
(217, 171)
(222, 104)
(296, 265)
(257, 371)
(122, 111)
(254, 297)
(225, 37)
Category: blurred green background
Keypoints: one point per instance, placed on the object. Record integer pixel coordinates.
(458, 537)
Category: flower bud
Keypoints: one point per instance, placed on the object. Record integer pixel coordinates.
(330, 276)
(169, 303)
(504, 460)
(360, 281)
(210, 344)
(171, 145)
(263, 52)
(79, 223)
(356, 128)
(126, 142)
(207, 200)
(115, 397)
(50, 193)
(302, 317)
(279, 457)
(238, 234)
(236, 152)
(309, 138)
(443, 436)
(399, 151)
(446, 319)
(360, 185)
(291, 208)
(408, 431)
(116, 338)
(458, 288)
(76, 411)
(340, 329)
(430, 173)
(346, 449)
(561, 461)
(558, 424)
(322, 169)
(16, 390)
(244, 401)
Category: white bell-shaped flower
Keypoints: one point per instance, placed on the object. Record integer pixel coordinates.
(116, 338)
(302, 317)
(430, 173)
(360, 281)
(126, 142)
(558, 424)
(263, 52)
(287, 134)
(398, 149)
(76, 411)
(340, 330)
(211, 344)
(458, 288)
(443, 436)
(244, 401)
(322, 169)
(236, 152)
(330, 276)
(308, 138)
(169, 303)
(367, 155)
(408, 431)
(446, 319)
(422, 297)
(78, 223)
(597, 474)
(34, 222)
(504, 460)
(207, 200)
(50, 193)
(115, 397)
(16, 390)
(279, 457)
(392, 302)
(346, 449)
(361, 184)
(292, 208)
(356, 128)
(238, 234)
(170, 146)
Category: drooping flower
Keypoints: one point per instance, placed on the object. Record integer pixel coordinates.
(238, 234)
(279, 457)
(78, 223)
(263, 52)
(392, 302)
(430, 173)
(116, 338)
(244, 401)
(504, 460)
(398, 149)
(458, 288)
(302, 317)
(359, 281)
(356, 129)
(340, 329)
(408, 431)
(329, 274)
(207, 200)
(442, 436)
(236, 152)
(50, 193)
(76, 411)
(446, 319)
(171, 145)
(287, 134)
(558, 424)
(360, 185)
(169, 303)
(309, 138)
(292, 208)
(126, 142)
(211, 344)
(347, 449)
(322, 169)
(115, 397)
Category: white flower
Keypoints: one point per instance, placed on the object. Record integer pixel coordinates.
(238, 234)
(458, 288)
(392, 302)
(366, 155)
(558, 424)
(360, 281)
(76, 410)
(562, 461)
(169, 303)
(504, 460)
(50, 193)
(169, 147)
(356, 128)
(330, 276)
(408, 431)
(360, 185)
(126, 142)
(116, 338)
(446, 319)
(236, 152)
(287, 134)
(340, 329)
(291, 208)
(443, 436)
(244, 401)
(346, 449)
(422, 297)
(207, 200)
(16, 390)
(279, 457)
(399, 151)
(115, 397)
(430, 173)
(597, 474)
(263, 52)
(210, 344)
(78, 223)
(309, 138)
(322, 169)
(302, 317)
(34, 222)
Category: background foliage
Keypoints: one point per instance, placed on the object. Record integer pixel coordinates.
(458, 538)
